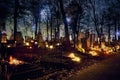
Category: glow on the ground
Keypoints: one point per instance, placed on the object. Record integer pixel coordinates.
(74, 57)
(14, 61)
(103, 49)
(93, 53)
(30, 47)
(8, 46)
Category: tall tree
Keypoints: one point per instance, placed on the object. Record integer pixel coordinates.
(65, 21)
(35, 9)
(15, 18)
(113, 14)
(20, 8)
(74, 10)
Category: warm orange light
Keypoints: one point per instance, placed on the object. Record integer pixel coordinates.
(96, 48)
(71, 55)
(103, 45)
(104, 49)
(47, 45)
(4, 39)
(74, 57)
(117, 47)
(58, 44)
(14, 61)
(108, 51)
(51, 47)
(8, 46)
(27, 44)
(11, 58)
(93, 53)
(79, 48)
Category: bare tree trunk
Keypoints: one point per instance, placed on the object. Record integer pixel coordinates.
(115, 30)
(51, 26)
(36, 26)
(119, 30)
(109, 33)
(95, 20)
(78, 27)
(58, 30)
(57, 26)
(101, 36)
(15, 18)
(39, 25)
(47, 29)
(75, 30)
(57, 23)
(55, 32)
(65, 22)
